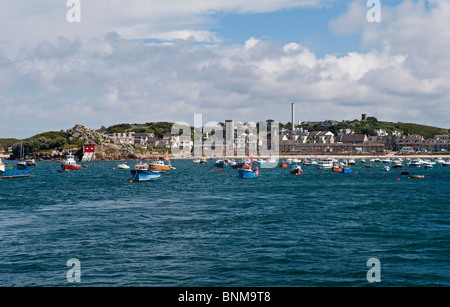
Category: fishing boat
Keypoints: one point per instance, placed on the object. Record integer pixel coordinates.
(324, 164)
(70, 164)
(247, 172)
(142, 172)
(160, 165)
(296, 170)
(8, 171)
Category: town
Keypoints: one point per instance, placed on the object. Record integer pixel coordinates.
(145, 141)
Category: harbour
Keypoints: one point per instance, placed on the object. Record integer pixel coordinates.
(198, 226)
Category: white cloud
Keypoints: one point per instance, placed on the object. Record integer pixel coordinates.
(108, 79)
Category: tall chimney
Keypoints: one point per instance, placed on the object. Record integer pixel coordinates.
(293, 117)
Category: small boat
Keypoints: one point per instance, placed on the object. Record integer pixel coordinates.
(397, 164)
(368, 165)
(296, 170)
(8, 171)
(283, 165)
(387, 168)
(260, 162)
(336, 168)
(415, 163)
(203, 161)
(386, 160)
(428, 166)
(346, 170)
(351, 162)
(142, 172)
(325, 164)
(446, 163)
(159, 165)
(417, 176)
(123, 166)
(220, 163)
(70, 164)
(31, 162)
(197, 160)
(247, 172)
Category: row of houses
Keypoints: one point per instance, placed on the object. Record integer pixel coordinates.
(299, 141)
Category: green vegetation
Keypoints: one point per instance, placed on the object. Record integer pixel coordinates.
(41, 142)
(371, 124)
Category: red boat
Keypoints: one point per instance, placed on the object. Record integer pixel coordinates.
(297, 170)
(337, 169)
(70, 164)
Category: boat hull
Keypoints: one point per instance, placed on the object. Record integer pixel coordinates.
(346, 170)
(142, 175)
(15, 174)
(160, 167)
(247, 174)
(296, 172)
(70, 167)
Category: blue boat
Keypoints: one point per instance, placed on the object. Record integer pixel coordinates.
(346, 170)
(8, 171)
(247, 172)
(141, 172)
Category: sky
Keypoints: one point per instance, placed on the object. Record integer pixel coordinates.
(130, 61)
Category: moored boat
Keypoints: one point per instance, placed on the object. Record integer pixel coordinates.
(247, 172)
(8, 171)
(220, 163)
(324, 164)
(123, 166)
(159, 165)
(70, 164)
(346, 170)
(296, 170)
(142, 172)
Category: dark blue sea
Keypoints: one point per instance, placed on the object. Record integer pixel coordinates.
(200, 227)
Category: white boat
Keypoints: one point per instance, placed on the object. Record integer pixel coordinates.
(197, 160)
(387, 168)
(296, 160)
(428, 165)
(325, 163)
(446, 163)
(415, 163)
(386, 161)
(351, 162)
(397, 164)
(123, 166)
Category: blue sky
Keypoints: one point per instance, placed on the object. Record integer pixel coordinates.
(248, 61)
(308, 26)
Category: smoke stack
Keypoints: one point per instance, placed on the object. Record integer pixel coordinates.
(293, 117)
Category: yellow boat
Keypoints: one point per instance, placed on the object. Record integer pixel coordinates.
(159, 166)
(417, 176)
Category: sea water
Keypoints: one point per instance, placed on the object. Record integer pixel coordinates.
(201, 227)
